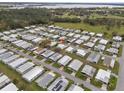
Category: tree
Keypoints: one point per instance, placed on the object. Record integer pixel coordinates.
(15, 81)
(45, 43)
(57, 50)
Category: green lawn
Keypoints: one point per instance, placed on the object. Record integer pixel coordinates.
(39, 57)
(80, 75)
(94, 16)
(66, 69)
(69, 85)
(112, 83)
(96, 83)
(85, 88)
(49, 62)
(56, 65)
(116, 68)
(18, 80)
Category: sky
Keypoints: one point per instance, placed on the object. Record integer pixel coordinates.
(76, 1)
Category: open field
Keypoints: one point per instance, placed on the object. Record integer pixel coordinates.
(96, 29)
(93, 16)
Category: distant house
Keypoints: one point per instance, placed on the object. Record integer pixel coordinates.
(113, 50)
(94, 40)
(89, 44)
(79, 41)
(70, 49)
(94, 57)
(117, 38)
(81, 52)
(85, 37)
(99, 35)
(61, 46)
(100, 47)
(116, 45)
(109, 61)
(103, 41)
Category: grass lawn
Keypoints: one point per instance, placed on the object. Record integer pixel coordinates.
(96, 29)
(85, 88)
(49, 62)
(120, 51)
(18, 80)
(32, 54)
(96, 83)
(80, 75)
(74, 56)
(116, 68)
(69, 85)
(56, 65)
(112, 83)
(66, 69)
(39, 57)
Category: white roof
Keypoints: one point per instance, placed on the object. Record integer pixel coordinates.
(79, 41)
(103, 41)
(70, 34)
(58, 85)
(36, 40)
(100, 47)
(89, 44)
(65, 60)
(117, 38)
(103, 75)
(10, 59)
(18, 62)
(25, 67)
(62, 46)
(4, 80)
(33, 73)
(6, 55)
(2, 50)
(44, 80)
(94, 57)
(99, 34)
(48, 53)
(75, 88)
(81, 52)
(69, 49)
(93, 39)
(55, 56)
(77, 35)
(9, 87)
(113, 50)
(88, 70)
(92, 33)
(75, 64)
(85, 37)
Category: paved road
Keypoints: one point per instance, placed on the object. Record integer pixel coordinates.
(120, 83)
(76, 80)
